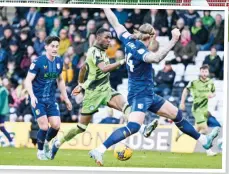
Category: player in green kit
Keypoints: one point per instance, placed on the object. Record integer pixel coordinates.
(98, 91)
(201, 90)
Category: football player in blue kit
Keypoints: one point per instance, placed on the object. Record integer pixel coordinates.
(41, 83)
(141, 95)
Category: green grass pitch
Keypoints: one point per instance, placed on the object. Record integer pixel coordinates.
(146, 159)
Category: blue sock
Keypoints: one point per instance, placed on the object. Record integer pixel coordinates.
(4, 131)
(212, 122)
(122, 133)
(51, 134)
(185, 126)
(41, 134)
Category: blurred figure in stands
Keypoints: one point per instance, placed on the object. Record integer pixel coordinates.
(214, 63)
(165, 79)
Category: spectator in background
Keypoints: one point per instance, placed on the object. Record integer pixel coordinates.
(24, 112)
(15, 55)
(39, 44)
(82, 21)
(19, 94)
(24, 41)
(136, 18)
(113, 47)
(66, 18)
(67, 72)
(180, 24)
(189, 17)
(158, 20)
(172, 18)
(49, 20)
(8, 36)
(32, 17)
(121, 14)
(110, 119)
(214, 63)
(40, 26)
(4, 23)
(4, 110)
(22, 25)
(100, 18)
(185, 49)
(71, 32)
(164, 80)
(26, 61)
(129, 25)
(79, 46)
(90, 29)
(208, 20)
(64, 42)
(115, 75)
(3, 61)
(56, 28)
(199, 33)
(11, 74)
(216, 36)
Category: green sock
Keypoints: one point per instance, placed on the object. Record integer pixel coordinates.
(73, 132)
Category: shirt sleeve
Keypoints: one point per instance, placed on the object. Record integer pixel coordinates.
(96, 57)
(125, 37)
(141, 54)
(189, 86)
(34, 67)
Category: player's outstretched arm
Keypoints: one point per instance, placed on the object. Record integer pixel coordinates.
(110, 67)
(62, 87)
(183, 98)
(119, 29)
(161, 54)
(81, 78)
(28, 86)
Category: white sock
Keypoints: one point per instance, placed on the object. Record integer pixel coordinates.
(180, 132)
(57, 144)
(142, 129)
(46, 142)
(203, 139)
(209, 151)
(40, 151)
(101, 148)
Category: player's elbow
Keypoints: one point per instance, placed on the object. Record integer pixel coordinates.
(104, 70)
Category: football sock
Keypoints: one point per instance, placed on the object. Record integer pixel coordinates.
(122, 133)
(51, 134)
(73, 132)
(41, 134)
(185, 126)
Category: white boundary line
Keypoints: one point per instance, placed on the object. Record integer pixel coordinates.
(223, 170)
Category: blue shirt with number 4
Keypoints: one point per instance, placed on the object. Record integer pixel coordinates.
(140, 73)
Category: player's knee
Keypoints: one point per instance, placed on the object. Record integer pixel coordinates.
(82, 127)
(133, 127)
(44, 127)
(55, 125)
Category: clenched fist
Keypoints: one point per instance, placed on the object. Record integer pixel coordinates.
(176, 34)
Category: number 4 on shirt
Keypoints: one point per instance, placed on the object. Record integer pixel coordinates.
(129, 62)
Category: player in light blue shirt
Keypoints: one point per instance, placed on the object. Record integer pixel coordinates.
(41, 83)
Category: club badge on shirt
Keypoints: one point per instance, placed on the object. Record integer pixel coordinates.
(32, 66)
(58, 66)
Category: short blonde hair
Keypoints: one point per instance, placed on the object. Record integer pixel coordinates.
(144, 32)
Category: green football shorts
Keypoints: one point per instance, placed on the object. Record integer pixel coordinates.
(93, 99)
(200, 115)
